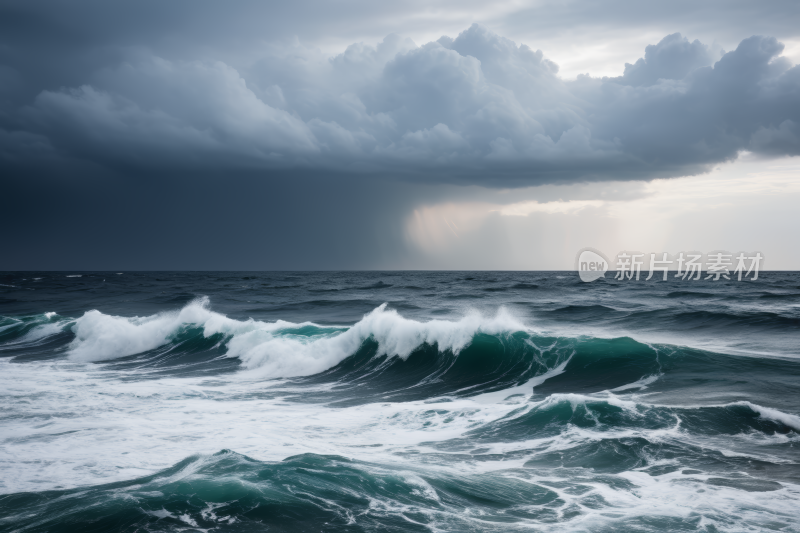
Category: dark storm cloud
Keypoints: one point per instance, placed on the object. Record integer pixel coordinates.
(85, 218)
(475, 109)
(198, 134)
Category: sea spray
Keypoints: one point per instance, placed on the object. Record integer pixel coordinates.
(397, 402)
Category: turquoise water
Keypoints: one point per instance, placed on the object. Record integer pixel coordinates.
(418, 401)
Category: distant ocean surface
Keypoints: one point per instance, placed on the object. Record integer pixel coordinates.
(397, 401)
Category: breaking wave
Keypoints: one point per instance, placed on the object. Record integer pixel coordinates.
(279, 349)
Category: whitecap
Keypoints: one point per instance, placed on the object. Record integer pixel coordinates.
(270, 348)
(792, 421)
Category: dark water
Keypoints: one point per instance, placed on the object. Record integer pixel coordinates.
(397, 401)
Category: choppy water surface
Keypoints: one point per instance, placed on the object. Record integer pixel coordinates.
(416, 401)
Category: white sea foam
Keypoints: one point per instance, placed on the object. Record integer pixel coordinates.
(44, 328)
(526, 389)
(70, 425)
(640, 384)
(100, 337)
(267, 349)
(585, 400)
(787, 419)
(282, 356)
(41, 332)
(96, 429)
(90, 428)
(792, 421)
(14, 323)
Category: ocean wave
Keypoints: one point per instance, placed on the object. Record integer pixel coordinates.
(101, 337)
(384, 355)
(280, 349)
(779, 296)
(691, 294)
(395, 336)
(788, 420)
(30, 329)
(579, 418)
(383, 351)
(228, 491)
(735, 319)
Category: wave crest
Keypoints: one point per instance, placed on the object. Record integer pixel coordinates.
(280, 349)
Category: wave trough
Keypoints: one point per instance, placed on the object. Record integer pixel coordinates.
(397, 402)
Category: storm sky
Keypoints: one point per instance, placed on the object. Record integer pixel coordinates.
(192, 134)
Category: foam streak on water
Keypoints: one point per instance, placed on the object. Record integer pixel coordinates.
(397, 402)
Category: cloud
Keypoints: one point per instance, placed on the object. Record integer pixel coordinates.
(158, 113)
(747, 205)
(20, 146)
(671, 59)
(523, 209)
(475, 109)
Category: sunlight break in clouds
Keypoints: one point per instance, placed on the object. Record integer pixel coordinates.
(749, 204)
(269, 125)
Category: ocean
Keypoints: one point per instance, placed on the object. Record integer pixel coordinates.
(397, 401)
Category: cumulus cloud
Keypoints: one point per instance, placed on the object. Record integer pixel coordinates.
(478, 108)
(671, 59)
(159, 113)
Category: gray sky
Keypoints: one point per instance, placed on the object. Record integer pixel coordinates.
(329, 135)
